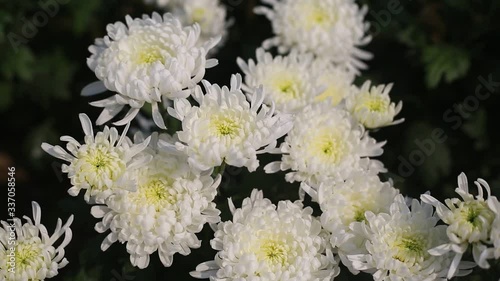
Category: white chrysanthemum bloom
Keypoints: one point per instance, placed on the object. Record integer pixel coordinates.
(288, 81)
(101, 164)
(469, 221)
(269, 243)
(171, 205)
(398, 243)
(226, 128)
(145, 61)
(209, 14)
(27, 250)
(325, 144)
(346, 202)
(372, 106)
(333, 30)
(337, 81)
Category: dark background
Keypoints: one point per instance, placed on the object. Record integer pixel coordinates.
(436, 52)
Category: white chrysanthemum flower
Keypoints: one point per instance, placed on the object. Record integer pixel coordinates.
(325, 144)
(209, 14)
(398, 243)
(469, 221)
(269, 243)
(333, 30)
(171, 205)
(101, 164)
(346, 202)
(145, 61)
(225, 127)
(27, 250)
(372, 106)
(337, 81)
(288, 81)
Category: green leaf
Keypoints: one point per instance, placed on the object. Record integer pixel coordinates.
(444, 62)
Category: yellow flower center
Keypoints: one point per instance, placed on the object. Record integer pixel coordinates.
(149, 55)
(315, 16)
(99, 162)
(225, 126)
(329, 146)
(198, 15)
(410, 249)
(373, 104)
(27, 255)
(475, 213)
(318, 16)
(273, 252)
(287, 88)
(285, 84)
(155, 192)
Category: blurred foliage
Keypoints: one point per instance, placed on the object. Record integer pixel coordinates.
(435, 51)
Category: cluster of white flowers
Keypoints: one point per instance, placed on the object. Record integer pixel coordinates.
(398, 244)
(344, 203)
(297, 80)
(155, 194)
(28, 252)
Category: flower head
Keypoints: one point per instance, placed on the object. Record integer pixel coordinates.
(344, 203)
(331, 29)
(145, 61)
(372, 107)
(101, 164)
(470, 221)
(269, 243)
(33, 255)
(171, 204)
(325, 144)
(225, 127)
(288, 81)
(209, 14)
(398, 243)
